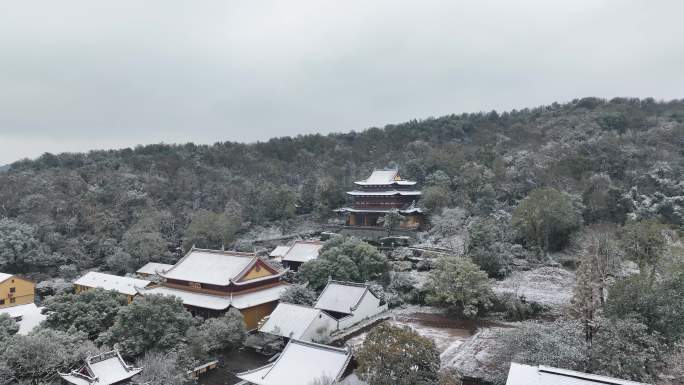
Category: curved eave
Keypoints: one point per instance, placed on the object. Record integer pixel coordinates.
(383, 193)
(344, 210)
(398, 183)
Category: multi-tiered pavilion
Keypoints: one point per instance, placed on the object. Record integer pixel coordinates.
(382, 192)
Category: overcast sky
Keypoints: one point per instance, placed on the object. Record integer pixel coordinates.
(79, 75)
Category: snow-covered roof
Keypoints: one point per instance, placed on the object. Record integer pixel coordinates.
(205, 301)
(123, 285)
(520, 374)
(409, 210)
(301, 363)
(4, 276)
(383, 193)
(214, 267)
(253, 298)
(217, 302)
(342, 297)
(279, 251)
(29, 313)
(353, 379)
(103, 369)
(383, 178)
(154, 268)
(291, 321)
(303, 251)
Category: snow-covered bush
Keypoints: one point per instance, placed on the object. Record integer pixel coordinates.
(518, 308)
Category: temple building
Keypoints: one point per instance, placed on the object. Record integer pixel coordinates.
(209, 282)
(340, 306)
(382, 192)
(103, 369)
(349, 303)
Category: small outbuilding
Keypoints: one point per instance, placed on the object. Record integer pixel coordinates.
(301, 252)
(278, 253)
(302, 363)
(103, 369)
(153, 268)
(123, 285)
(349, 303)
(520, 374)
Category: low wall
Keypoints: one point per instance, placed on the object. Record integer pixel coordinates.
(374, 233)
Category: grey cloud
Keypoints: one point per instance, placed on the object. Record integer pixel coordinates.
(78, 74)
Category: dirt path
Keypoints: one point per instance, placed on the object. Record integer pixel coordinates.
(447, 332)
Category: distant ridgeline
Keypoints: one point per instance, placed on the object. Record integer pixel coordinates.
(102, 207)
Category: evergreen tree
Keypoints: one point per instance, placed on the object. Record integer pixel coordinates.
(460, 286)
(546, 218)
(150, 323)
(397, 356)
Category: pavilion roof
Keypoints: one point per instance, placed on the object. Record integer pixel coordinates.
(301, 363)
(103, 369)
(279, 251)
(219, 302)
(303, 251)
(520, 374)
(409, 210)
(191, 298)
(384, 193)
(384, 178)
(214, 267)
(154, 268)
(290, 320)
(342, 297)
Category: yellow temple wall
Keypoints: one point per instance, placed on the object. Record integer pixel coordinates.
(24, 292)
(254, 314)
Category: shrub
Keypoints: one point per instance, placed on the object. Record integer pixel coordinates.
(397, 356)
(460, 286)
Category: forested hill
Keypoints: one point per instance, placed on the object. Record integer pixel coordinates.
(121, 207)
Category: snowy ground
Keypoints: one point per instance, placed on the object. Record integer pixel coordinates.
(472, 358)
(550, 286)
(465, 344)
(447, 333)
(30, 316)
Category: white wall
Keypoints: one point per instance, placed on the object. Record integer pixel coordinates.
(320, 329)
